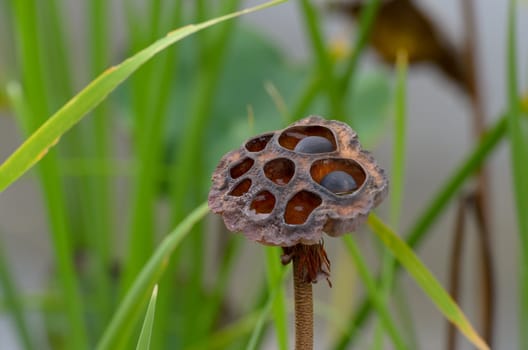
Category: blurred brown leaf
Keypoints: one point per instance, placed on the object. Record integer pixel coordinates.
(401, 25)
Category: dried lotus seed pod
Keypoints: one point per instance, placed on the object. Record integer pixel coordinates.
(287, 187)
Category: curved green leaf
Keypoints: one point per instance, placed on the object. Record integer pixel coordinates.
(425, 279)
(146, 331)
(38, 144)
(119, 329)
(280, 313)
(275, 288)
(374, 294)
(518, 133)
(431, 213)
(13, 303)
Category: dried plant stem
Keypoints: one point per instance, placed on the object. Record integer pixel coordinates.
(303, 308)
(481, 204)
(456, 264)
(310, 263)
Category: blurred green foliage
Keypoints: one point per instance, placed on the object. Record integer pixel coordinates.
(175, 118)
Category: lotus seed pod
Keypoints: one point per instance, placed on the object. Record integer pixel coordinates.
(293, 185)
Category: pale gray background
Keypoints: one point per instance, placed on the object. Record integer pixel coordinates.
(438, 139)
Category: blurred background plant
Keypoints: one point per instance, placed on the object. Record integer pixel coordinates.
(141, 162)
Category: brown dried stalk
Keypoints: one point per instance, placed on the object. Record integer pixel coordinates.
(303, 309)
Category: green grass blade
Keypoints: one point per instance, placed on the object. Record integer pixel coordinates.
(337, 87)
(402, 307)
(99, 27)
(368, 16)
(425, 280)
(54, 203)
(201, 10)
(259, 327)
(280, 314)
(227, 335)
(397, 178)
(231, 251)
(453, 184)
(29, 57)
(97, 189)
(57, 68)
(184, 186)
(432, 212)
(133, 24)
(188, 152)
(38, 302)
(149, 145)
(11, 295)
(36, 146)
(146, 330)
(152, 89)
(325, 65)
(374, 294)
(306, 97)
(124, 320)
(518, 134)
(398, 155)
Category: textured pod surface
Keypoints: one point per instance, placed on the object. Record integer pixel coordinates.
(273, 193)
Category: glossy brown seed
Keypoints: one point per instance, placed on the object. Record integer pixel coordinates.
(279, 170)
(300, 207)
(241, 168)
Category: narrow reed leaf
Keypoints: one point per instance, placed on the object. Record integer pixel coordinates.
(431, 213)
(273, 293)
(374, 294)
(189, 154)
(222, 338)
(54, 202)
(38, 144)
(518, 134)
(325, 65)
(280, 314)
(56, 58)
(126, 316)
(423, 277)
(30, 60)
(398, 155)
(11, 295)
(365, 24)
(230, 252)
(398, 187)
(306, 97)
(397, 179)
(96, 190)
(278, 100)
(158, 81)
(148, 100)
(146, 330)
